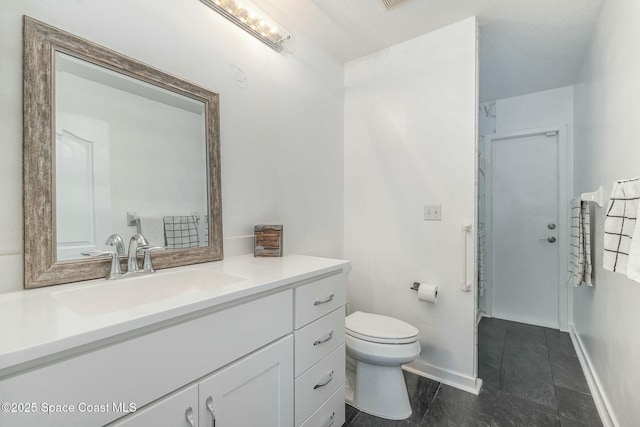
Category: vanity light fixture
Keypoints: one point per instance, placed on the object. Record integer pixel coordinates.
(255, 22)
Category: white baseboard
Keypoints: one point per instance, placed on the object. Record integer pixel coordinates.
(595, 386)
(462, 382)
(479, 316)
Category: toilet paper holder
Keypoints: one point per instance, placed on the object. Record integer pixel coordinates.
(415, 286)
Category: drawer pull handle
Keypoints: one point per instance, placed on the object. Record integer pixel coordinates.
(322, 384)
(331, 419)
(189, 416)
(209, 404)
(324, 340)
(324, 301)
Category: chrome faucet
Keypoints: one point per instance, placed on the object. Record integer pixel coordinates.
(116, 240)
(115, 271)
(147, 265)
(137, 242)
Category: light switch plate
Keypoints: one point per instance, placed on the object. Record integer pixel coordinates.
(432, 212)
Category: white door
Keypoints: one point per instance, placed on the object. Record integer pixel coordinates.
(255, 391)
(83, 185)
(524, 232)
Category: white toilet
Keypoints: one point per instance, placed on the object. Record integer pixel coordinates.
(377, 346)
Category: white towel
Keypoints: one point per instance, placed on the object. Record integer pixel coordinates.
(620, 227)
(585, 234)
(580, 254)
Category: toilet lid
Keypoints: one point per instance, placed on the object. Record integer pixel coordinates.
(380, 329)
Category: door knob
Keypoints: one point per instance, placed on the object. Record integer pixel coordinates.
(551, 239)
(551, 226)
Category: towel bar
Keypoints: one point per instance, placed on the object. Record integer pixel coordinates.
(595, 196)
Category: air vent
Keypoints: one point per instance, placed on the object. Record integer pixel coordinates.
(389, 4)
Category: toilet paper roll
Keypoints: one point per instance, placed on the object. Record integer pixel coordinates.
(428, 293)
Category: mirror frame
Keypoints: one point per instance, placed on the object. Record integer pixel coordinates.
(41, 267)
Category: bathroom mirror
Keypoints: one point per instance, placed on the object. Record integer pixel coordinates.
(113, 146)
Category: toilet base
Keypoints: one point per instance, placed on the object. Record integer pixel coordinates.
(379, 391)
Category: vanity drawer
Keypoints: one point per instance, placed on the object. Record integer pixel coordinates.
(314, 300)
(331, 413)
(319, 383)
(318, 339)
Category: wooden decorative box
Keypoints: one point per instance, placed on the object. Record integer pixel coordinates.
(267, 240)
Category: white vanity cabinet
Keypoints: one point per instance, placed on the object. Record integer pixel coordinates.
(179, 409)
(320, 352)
(148, 366)
(254, 391)
(268, 353)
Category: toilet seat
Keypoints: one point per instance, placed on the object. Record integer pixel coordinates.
(379, 329)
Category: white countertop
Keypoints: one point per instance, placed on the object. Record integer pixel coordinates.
(35, 323)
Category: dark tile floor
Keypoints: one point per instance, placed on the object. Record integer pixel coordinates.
(532, 378)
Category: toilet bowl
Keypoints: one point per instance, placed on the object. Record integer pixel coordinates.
(377, 347)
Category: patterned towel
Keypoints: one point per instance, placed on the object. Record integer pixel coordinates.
(482, 277)
(181, 232)
(205, 229)
(620, 226)
(580, 244)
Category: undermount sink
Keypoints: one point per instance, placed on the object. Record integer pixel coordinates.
(110, 296)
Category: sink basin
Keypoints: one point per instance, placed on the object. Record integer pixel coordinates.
(110, 296)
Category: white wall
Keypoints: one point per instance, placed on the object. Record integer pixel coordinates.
(410, 141)
(281, 135)
(535, 110)
(606, 317)
(539, 110)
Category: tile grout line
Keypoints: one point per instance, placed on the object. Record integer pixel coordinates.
(553, 379)
(504, 346)
(430, 405)
(499, 385)
(354, 417)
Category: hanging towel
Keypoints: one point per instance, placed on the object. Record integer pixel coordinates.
(181, 232)
(580, 244)
(205, 231)
(585, 243)
(620, 226)
(482, 277)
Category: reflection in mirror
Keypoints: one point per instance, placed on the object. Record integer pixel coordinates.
(113, 146)
(130, 158)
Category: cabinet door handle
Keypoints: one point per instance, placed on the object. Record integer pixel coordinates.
(331, 419)
(322, 384)
(209, 404)
(189, 416)
(324, 301)
(324, 340)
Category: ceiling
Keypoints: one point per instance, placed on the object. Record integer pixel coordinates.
(525, 45)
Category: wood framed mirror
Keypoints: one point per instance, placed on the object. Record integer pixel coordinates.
(113, 146)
